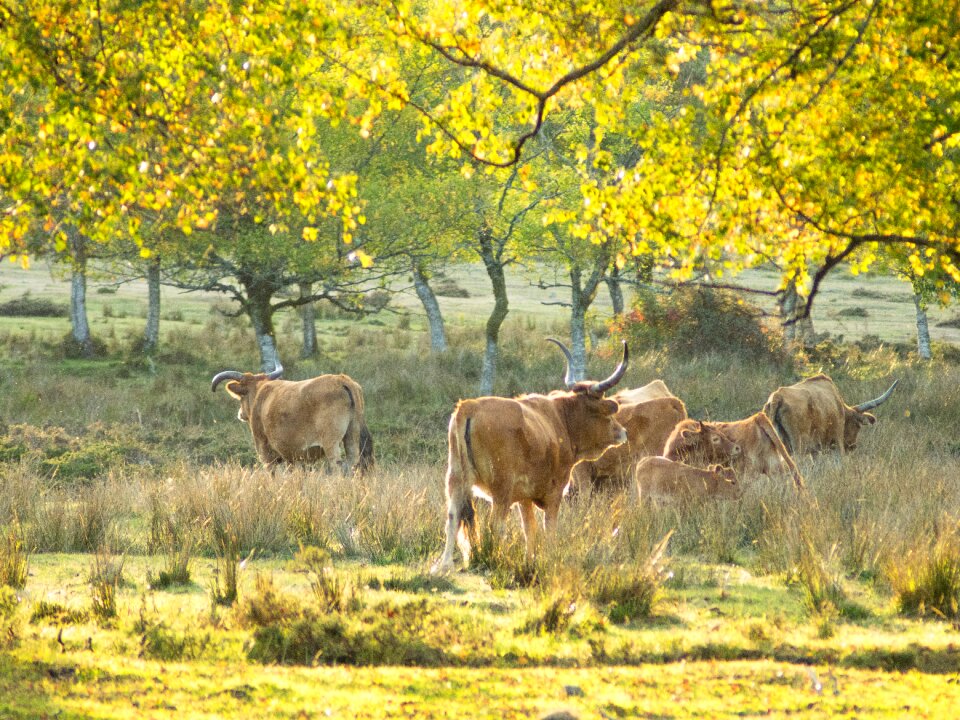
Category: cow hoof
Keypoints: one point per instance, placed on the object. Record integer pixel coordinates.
(442, 568)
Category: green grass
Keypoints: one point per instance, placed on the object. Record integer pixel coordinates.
(774, 604)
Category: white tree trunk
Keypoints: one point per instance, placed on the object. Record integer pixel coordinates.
(80, 327)
(308, 313)
(438, 335)
(923, 329)
(151, 333)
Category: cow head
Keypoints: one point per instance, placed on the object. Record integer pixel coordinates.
(857, 417)
(243, 386)
(697, 440)
(727, 485)
(590, 416)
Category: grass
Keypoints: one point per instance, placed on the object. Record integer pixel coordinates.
(117, 473)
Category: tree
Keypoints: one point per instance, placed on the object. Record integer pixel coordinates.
(789, 142)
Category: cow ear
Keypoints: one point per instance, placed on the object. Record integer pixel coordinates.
(609, 407)
(867, 419)
(236, 389)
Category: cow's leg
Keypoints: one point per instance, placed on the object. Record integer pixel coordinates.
(528, 520)
(351, 445)
(459, 524)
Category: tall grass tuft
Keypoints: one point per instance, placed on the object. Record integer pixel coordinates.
(926, 579)
(14, 557)
(172, 534)
(106, 574)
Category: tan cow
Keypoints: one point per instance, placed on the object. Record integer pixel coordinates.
(302, 421)
(811, 416)
(659, 478)
(648, 425)
(520, 451)
(651, 391)
(761, 450)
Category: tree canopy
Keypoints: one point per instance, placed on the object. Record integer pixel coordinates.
(721, 134)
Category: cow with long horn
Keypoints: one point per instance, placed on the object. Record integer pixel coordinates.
(521, 450)
(811, 416)
(302, 421)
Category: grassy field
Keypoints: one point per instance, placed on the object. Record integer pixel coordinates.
(132, 510)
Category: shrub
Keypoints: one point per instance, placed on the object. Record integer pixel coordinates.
(27, 306)
(105, 579)
(56, 614)
(694, 321)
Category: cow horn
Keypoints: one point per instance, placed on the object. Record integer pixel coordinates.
(277, 372)
(225, 375)
(604, 385)
(870, 404)
(568, 374)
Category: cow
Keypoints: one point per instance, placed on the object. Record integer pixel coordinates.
(760, 448)
(520, 451)
(659, 478)
(651, 391)
(811, 417)
(302, 421)
(648, 425)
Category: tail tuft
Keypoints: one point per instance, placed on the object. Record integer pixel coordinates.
(366, 449)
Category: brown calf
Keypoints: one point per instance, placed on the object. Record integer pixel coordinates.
(760, 448)
(659, 478)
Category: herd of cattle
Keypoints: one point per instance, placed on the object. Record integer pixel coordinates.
(532, 450)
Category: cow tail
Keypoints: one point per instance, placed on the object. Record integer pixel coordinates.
(771, 433)
(365, 462)
(460, 480)
(366, 449)
(774, 411)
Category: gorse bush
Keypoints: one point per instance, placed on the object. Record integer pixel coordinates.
(693, 321)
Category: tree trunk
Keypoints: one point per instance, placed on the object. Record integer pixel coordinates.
(582, 295)
(923, 329)
(616, 290)
(438, 335)
(151, 334)
(578, 327)
(80, 327)
(498, 281)
(795, 329)
(261, 317)
(308, 313)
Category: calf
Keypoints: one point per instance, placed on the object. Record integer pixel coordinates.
(659, 478)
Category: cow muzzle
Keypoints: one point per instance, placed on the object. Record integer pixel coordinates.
(620, 435)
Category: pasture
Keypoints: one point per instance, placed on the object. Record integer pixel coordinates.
(166, 574)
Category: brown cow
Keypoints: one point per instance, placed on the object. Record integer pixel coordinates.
(761, 450)
(521, 450)
(648, 425)
(811, 416)
(659, 478)
(651, 391)
(302, 421)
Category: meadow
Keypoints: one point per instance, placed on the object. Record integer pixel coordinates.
(151, 568)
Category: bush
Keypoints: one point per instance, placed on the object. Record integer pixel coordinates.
(27, 306)
(694, 321)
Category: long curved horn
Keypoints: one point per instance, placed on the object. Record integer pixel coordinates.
(568, 359)
(870, 404)
(604, 385)
(225, 375)
(277, 372)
